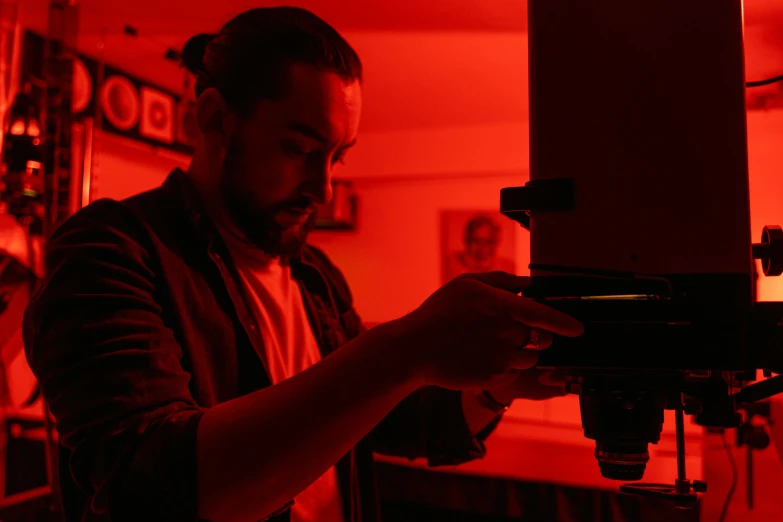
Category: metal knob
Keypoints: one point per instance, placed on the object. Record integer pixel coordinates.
(699, 486)
(770, 250)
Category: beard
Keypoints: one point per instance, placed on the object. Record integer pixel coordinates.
(260, 225)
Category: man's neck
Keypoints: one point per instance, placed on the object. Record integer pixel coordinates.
(237, 241)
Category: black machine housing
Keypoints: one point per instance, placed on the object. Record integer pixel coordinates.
(638, 161)
(691, 343)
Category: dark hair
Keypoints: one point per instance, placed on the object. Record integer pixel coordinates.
(247, 59)
(477, 222)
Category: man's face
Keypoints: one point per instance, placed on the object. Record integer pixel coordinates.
(483, 243)
(280, 160)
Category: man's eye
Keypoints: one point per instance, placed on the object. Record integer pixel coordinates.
(293, 149)
(339, 158)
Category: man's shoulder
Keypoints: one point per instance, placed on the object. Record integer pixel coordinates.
(135, 216)
(103, 214)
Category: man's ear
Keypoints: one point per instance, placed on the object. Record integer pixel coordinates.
(212, 116)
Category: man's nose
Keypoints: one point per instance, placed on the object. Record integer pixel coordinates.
(319, 183)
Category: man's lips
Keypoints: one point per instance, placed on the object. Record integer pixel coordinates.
(296, 214)
(299, 210)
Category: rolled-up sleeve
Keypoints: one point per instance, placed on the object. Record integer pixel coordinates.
(430, 423)
(111, 370)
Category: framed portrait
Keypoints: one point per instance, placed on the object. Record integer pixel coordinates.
(476, 241)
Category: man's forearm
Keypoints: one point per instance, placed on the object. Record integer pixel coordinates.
(257, 452)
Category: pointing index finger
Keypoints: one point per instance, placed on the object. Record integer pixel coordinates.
(540, 316)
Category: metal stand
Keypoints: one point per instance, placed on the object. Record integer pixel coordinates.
(754, 437)
(683, 492)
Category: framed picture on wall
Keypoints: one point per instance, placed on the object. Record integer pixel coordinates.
(476, 241)
(157, 115)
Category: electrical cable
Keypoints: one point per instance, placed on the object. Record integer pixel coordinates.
(768, 81)
(733, 465)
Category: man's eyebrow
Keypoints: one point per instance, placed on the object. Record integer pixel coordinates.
(306, 130)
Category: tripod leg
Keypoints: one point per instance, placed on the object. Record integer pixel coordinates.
(749, 478)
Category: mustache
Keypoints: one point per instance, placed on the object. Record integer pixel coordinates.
(300, 204)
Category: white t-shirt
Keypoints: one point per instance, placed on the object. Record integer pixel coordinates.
(290, 347)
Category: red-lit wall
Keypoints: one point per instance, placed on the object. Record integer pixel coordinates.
(765, 152)
(122, 167)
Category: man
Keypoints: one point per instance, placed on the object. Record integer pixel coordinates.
(482, 239)
(186, 338)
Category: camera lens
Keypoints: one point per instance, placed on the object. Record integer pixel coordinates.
(622, 461)
(622, 425)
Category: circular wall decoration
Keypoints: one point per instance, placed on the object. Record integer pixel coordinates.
(82, 86)
(120, 102)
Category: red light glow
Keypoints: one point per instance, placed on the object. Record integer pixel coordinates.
(18, 128)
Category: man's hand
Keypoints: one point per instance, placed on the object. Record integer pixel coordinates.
(469, 334)
(534, 384)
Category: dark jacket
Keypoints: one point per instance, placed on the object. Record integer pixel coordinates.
(140, 326)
